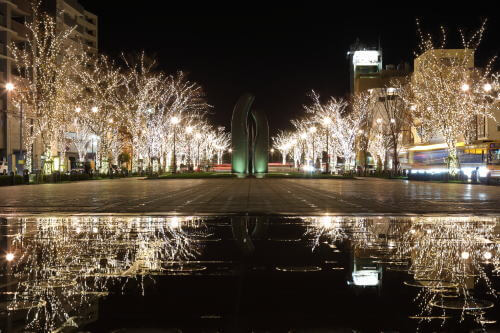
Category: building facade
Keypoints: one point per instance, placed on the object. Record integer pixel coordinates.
(365, 62)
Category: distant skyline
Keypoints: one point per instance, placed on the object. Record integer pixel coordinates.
(279, 54)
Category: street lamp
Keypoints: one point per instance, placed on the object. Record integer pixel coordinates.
(94, 138)
(326, 122)
(9, 86)
(174, 121)
(312, 130)
(189, 131)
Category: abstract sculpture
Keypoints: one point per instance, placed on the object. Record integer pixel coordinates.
(249, 137)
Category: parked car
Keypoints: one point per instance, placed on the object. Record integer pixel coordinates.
(4, 168)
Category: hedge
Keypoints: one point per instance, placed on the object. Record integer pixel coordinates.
(11, 180)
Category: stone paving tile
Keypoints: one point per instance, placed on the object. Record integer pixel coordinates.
(253, 196)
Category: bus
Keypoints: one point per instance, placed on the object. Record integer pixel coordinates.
(485, 157)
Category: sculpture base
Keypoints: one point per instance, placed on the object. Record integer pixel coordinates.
(250, 175)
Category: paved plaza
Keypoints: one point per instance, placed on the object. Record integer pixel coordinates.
(253, 196)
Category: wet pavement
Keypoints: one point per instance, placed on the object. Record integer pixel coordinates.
(249, 274)
(252, 196)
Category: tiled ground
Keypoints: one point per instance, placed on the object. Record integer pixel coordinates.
(253, 196)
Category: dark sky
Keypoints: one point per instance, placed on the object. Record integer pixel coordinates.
(279, 53)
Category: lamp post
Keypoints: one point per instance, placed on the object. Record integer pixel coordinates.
(174, 121)
(312, 130)
(189, 131)
(10, 87)
(198, 138)
(303, 136)
(92, 139)
(95, 109)
(326, 122)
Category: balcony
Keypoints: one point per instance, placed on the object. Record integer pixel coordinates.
(75, 5)
(69, 21)
(23, 6)
(19, 28)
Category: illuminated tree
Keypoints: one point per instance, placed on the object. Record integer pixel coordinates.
(393, 117)
(346, 124)
(448, 91)
(364, 103)
(378, 146)
(282, 143)
(101, 109)
(44, 63)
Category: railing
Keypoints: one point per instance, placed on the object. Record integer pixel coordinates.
(68, 20)
(75, 4)
(22, 5)
(19, 28)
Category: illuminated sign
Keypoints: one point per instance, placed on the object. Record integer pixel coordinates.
(366, 58)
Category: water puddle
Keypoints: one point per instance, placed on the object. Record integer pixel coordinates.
(241, 273)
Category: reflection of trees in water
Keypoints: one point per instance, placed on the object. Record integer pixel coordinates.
(445, 255)
(448, 257)
(66, 263)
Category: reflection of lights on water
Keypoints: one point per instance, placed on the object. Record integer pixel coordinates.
(175, 223)
(487, 255)
(9, 256)
(465, 255)
(326, 221)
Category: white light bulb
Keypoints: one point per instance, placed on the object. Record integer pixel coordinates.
(465, 255)
(175, 120)
(487, 255)
(9, 256)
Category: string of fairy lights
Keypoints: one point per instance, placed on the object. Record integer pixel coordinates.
(72, 97)
(63, 264)
(447, 96)
(446, 257)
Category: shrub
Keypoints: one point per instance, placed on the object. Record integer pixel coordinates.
(11, 180)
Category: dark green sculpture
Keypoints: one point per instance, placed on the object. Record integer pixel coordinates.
(249, 137)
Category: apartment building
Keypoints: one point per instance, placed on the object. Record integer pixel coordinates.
(70, 14)
(13, 14)
(12, 30)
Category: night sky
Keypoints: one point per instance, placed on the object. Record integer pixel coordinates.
(278, 53)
